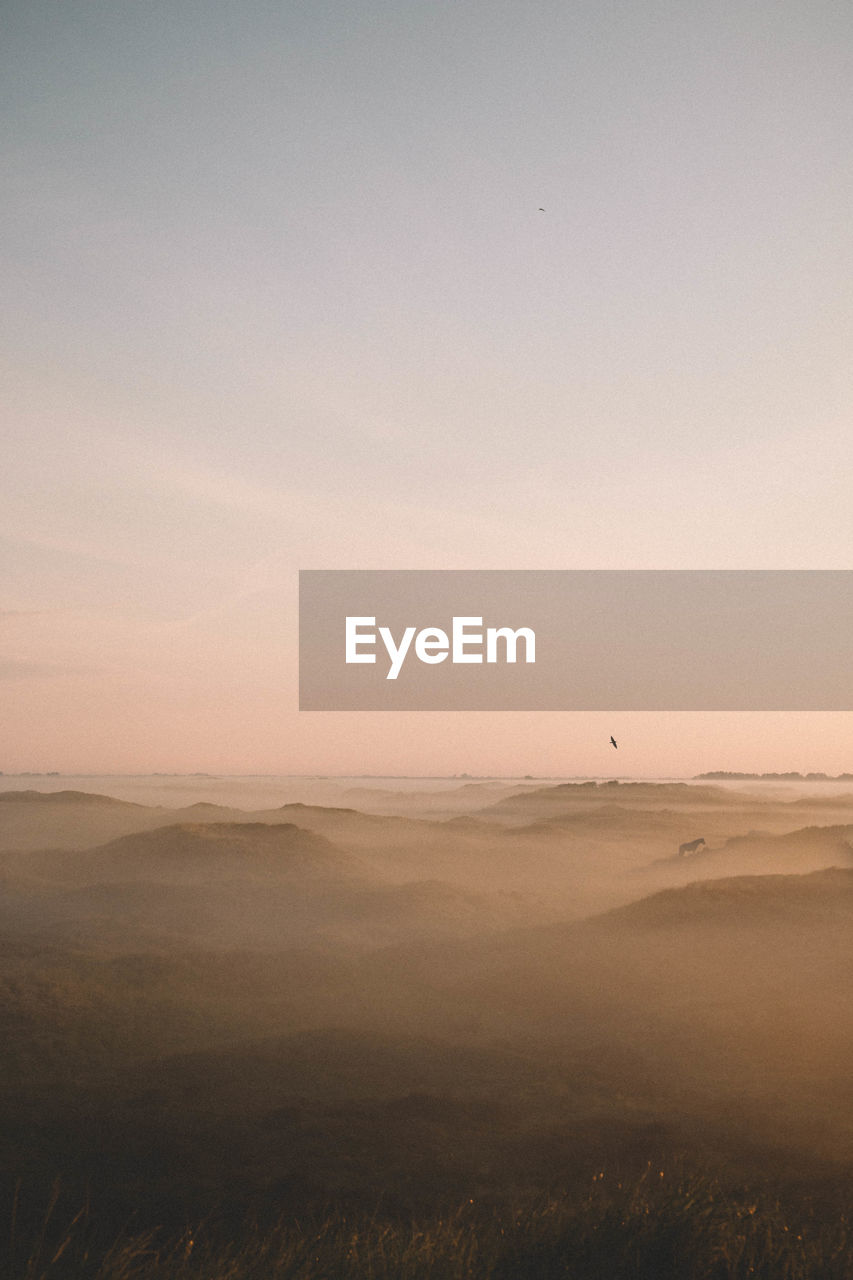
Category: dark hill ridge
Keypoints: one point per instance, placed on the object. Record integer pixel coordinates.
(755, 853)
(844, 801)
(761, 852)
(67, 797)
(610, 817)
(570, 947)
(655, 821)
(200, 852)
(318, 817)
(743, 901)
(206, 811)
(33, 820)
(837, 839)
(70, 819)
(221, 885)
(541, 802)
(616, 789)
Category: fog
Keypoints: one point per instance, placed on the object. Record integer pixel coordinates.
(222, 995)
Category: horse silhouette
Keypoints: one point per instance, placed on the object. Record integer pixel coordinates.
(690, 846)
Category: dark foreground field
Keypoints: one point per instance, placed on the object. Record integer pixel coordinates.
(661, 1226)
(524, 1039)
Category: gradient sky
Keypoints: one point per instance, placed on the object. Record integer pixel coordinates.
(278, 295)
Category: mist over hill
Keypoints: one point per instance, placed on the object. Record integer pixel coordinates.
(198, 853)
(233, 1011)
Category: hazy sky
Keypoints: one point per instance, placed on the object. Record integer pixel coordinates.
(278, 295)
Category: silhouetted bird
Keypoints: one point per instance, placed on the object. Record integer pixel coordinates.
(613, 742)
(541, 210)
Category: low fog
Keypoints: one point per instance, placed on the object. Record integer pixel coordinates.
(417, 993)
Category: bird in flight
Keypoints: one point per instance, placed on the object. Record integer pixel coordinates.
(541, 210)
(613, 742)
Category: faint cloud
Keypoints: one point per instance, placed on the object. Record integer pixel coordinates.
(26, 669)
(10, 669)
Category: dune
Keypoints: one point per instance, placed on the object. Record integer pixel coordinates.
(50, 798)
(759, 853)
(299, 987)
(823, 897)
(70, 819)
(540, 803)
(445, 803)
(198, 853)
(267, 886)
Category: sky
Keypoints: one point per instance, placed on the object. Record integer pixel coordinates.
(410, 285)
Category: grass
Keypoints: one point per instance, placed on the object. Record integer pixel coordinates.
(661, 1227)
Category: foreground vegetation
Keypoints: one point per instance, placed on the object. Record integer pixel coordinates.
(663, 1226)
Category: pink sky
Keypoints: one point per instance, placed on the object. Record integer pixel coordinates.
(279, 295)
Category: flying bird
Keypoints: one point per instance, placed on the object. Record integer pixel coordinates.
(613, 742)
(541, 210)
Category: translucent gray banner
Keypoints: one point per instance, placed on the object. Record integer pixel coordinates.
(576, 640)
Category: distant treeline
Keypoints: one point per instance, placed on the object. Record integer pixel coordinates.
(718, 774)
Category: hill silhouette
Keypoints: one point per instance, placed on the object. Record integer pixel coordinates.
(214, 1009)
(201, 852)
(65, 798)
(744, 902)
